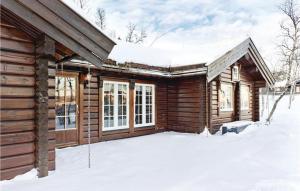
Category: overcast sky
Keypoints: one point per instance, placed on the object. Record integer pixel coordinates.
(199, 30)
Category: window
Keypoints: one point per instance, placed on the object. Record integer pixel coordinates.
(235, 73)
(65, 103)
(226, 97)
(144, 105)
(115, 105)
(245, 91)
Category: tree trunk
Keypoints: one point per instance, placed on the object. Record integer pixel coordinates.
(275, 105)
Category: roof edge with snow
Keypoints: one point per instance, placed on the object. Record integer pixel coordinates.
(233, 55)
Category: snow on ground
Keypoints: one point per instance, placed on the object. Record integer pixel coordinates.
(261, 158)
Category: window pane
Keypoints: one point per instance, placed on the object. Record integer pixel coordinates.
(122, 103)
(70, 89)
(60, 109)
(226, 97)
(106, 124)
(71, 109)
(111, 111)
(59, 89)
(245, 97)
(138, 104)
(106, 99)
(120, 121)
(108, 89)
(70, 121)
(59, 123)
(124, 111)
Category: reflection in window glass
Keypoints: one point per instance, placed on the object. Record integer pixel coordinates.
(144, 105)
(226, 97)
(60, 123)
(65, 102)
(108, 105)
(122, 104)
(245, 91)
(138, 104)
(148, 104)
(115, 105)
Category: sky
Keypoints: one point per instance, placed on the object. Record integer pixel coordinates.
(197, 30)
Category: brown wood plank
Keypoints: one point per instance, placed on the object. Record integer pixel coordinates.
(64, 26)
(6, 56)
(52, 31)
(17, 80)
(16, 126)
(16, 149)
(7, 103)
(12, 172)
(20, 114)
(8, 68)
(14, 34)
(19, 46)
(17, 161)
(14, 138)
(17, 92)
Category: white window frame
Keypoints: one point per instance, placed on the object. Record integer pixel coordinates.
(232, 98)
(237, 76)
(242, 97)
(144, 124)
(116, 127)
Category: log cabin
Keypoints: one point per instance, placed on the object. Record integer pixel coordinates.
(58, 88)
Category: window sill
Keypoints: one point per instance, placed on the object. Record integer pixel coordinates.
(226, 110)
(152, 127)
(113, 129)
(69, 129)
(148, 126)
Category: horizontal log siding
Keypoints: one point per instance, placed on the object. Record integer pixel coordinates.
(217, 117)
(97, 135)
(51, 117)
(17, 102)
(186, 104)
(17, 93)
(94, 110)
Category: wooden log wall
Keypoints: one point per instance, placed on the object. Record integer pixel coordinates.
(96, 110)
(17, 122)
(187, 104)
(51, 117)
(217, 117)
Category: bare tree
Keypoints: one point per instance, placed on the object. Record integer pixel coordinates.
(135, 36)
(290, 47)
(100, 18)
(83, 4)
(130, 34)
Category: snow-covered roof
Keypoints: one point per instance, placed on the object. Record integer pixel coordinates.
(128, 52)
(165, 57)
